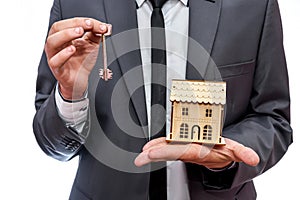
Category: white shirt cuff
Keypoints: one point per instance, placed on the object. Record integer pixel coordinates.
(73, 113)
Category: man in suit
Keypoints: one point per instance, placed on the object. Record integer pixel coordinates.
(106, 123)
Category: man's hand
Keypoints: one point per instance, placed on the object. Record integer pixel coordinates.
(72, 49)
(211, 157)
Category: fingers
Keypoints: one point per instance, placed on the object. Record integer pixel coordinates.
(65, 31)
(88, 24)
(148, 156)
(66, 36)
(157, 150)
(154, 142)
(60, 58)
(168, 152)
(57, 40)
(143, 158)
(96, 38)
(217, 157)
(109, 29)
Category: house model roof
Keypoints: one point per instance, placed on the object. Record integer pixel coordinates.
(198, 91)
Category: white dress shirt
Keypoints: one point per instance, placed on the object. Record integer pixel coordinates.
(176, 17)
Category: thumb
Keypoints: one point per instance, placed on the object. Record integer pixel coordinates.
(244, 154)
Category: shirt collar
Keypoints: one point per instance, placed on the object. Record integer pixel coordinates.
(140, 2)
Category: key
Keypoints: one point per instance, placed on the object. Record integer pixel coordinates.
(105, 73)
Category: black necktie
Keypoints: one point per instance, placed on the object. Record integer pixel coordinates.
(158, 178)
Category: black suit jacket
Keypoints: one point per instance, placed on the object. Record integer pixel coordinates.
(243, 46)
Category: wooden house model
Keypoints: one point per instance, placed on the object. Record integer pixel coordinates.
(197, 111)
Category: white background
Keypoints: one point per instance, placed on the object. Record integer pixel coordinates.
(27, 173)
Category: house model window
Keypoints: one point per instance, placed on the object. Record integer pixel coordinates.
(185, 111)
(184, 131)
(197, 111)
(208, 112)
(207, 132)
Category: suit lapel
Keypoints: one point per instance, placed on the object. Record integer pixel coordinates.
(122, 15)
(203, 24)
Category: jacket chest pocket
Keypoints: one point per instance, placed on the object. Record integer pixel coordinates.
(239, 80)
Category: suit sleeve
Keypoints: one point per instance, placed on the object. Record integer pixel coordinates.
(266, 127)
(53, 135)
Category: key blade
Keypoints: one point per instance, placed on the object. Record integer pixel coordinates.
(104, 57)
